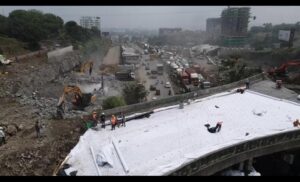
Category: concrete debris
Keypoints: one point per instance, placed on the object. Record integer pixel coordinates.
(11, 130)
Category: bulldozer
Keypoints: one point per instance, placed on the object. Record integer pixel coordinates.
(80, 100)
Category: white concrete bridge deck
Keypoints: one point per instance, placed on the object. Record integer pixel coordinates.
(171, 137)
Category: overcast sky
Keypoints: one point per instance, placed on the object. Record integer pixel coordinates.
(153, 17)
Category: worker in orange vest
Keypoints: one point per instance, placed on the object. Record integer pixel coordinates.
(113, 121)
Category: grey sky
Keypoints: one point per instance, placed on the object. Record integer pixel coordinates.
(153, 17)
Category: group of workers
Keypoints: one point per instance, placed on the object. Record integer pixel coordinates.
(95, 120)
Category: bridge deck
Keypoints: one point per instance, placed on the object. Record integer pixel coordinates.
(172, 137)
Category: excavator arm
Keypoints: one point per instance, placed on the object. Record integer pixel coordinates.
(283, 67)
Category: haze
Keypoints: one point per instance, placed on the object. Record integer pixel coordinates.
(154, 17)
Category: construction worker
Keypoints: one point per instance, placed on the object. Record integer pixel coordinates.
(240, 90)
(123, 120)
(2, 137)
(215, 129)
(247, 83)
(278, 84)
(91, 68)
(113, 121)
(102, 120)
(296, 123)
(94, 119)
(38, 129)
(60, 108)
(169, 92)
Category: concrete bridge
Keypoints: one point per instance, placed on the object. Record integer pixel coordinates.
(243, 152)
(175, 142)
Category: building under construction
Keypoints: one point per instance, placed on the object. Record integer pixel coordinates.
(234, 26)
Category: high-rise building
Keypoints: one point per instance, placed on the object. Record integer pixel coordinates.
(89, 22)
(234, 25)
(213, 27)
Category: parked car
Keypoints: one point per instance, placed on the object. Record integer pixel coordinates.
(168, 85)
(152, 88)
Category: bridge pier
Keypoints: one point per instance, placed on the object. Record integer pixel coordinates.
(248, 166)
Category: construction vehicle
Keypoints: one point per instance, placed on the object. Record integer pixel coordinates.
(160, 68)
(193, 76)
(282, 70)
(86, 66)
(79, 101)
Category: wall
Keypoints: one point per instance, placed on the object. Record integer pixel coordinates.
(59, 52)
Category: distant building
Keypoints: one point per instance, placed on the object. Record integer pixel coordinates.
(105, 34)
(234, 26)
(213, 27)
(167, 31)
(89, 22)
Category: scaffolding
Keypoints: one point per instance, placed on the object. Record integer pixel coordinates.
(234, 26)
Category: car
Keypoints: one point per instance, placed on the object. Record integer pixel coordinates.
(168, 85)
(152, 88)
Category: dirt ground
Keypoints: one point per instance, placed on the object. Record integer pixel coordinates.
(113, 56)
(24, 153)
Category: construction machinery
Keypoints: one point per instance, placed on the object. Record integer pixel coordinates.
(86, 66)
(79, 101)
(282, 70)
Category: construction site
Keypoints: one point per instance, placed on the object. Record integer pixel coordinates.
(73, 108)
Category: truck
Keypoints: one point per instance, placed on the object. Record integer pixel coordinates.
(125, 75)
(160, 68)
(193, 76)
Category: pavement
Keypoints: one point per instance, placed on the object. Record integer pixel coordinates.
(159, 82)
(267, 87)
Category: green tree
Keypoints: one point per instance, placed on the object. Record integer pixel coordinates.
(3, 25)
(112, 102)
(134, 93)
(52, 24)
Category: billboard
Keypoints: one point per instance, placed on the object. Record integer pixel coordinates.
(284, 35)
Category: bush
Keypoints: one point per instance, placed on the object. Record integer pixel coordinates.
(112, 102)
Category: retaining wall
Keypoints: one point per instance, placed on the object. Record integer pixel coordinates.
(59, 52)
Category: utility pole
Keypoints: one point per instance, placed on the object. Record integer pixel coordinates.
(292, 34)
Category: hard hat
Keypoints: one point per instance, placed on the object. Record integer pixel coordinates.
(1, 128)
(102, 113)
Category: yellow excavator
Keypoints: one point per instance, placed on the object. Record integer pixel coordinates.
(79, 101)
(86, 66)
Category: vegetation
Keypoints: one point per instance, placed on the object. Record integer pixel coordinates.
(33, 26)
(134, 93)
(112, 102)
(10, 47)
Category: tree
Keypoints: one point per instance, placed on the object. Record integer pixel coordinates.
(4, 25)
(134, 93)
(112, 102)
(52, 24)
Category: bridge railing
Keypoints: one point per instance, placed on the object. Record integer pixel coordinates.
(201, 93)
(220, 159)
